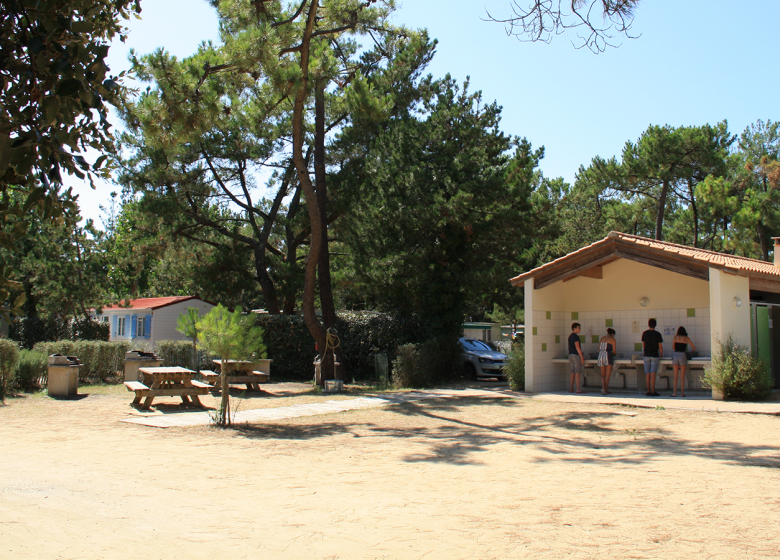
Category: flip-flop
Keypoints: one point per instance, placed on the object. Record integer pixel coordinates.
(581, 391)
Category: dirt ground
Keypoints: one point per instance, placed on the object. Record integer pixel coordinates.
(491, 477)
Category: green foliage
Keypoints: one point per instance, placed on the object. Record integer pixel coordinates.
(101, 361)
(436, 213)
(55, 97)
(514, 370)
(32, 371)
(736, 373)
(363, 334)
(29, 331)
(9, 359)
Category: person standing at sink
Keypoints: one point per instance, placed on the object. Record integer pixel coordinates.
(653, 348)
(576, 358)
(607, 346)
(680, 358)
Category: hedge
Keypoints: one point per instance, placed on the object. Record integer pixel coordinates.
(179, 353)
(100, 360)
(362, 335)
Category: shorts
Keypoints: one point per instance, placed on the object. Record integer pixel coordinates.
(575, 363)
(651, 364)
(679, 359)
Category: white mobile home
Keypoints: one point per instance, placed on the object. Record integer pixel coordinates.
(148, 320)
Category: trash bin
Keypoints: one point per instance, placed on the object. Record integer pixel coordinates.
(63, 375)
(135, 359)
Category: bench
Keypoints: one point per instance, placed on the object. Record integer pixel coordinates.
(142, 391)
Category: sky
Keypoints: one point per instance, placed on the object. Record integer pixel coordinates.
(693, 62)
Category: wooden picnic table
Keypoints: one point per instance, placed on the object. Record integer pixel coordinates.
(252, 373)
(167, 382)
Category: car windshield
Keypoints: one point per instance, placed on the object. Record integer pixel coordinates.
(476, 345)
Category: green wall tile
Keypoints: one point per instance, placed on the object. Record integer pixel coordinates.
(549, 314)
(575, 315)
(691, 312)
(609, 322)
(544, 347)
(534, 333)
(594, 338)
(637, 347)
(557, 339)
(582, 339)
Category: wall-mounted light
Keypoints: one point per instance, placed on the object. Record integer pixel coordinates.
(644, 301)
(737, 301)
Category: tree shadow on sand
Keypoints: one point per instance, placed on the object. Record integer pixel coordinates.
(585, 437)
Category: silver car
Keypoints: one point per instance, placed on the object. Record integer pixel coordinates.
(480, 360)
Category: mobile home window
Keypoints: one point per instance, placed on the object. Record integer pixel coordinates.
(120, 326)
(141, 327)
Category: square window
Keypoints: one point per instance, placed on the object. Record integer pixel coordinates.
(557, 339)
(549, 314)
(544, 347)
(637, 347)
(608, 322)
(582, 339)
(691, 312)
(575, 315)
(594, 338)
(534, 331)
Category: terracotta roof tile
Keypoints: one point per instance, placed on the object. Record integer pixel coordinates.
(149, 303)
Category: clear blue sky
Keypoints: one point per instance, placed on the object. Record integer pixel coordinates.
(696, 62)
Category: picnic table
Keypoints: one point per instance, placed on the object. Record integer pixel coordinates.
(167, 382)
(241, 371)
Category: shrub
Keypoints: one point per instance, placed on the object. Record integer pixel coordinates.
(408, 369)
(737, 373)
(32, 370)
(515, 367)
(9, 359)
(100, 360)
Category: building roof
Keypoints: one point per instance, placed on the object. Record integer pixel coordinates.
(149, 303)
(690, 261)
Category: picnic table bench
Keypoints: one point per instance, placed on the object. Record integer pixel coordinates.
(241, 372)
(167, 382)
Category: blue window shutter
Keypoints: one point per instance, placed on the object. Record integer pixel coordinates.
(148, 326)
(113, 326)
(133, 325)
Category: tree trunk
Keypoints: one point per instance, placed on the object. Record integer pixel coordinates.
(264, 279)
(326, 290)
(695, 214)
(659, 217)
(224, 405)
(316, 329)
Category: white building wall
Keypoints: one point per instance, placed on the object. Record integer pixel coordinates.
(727, 318)
(165, 319)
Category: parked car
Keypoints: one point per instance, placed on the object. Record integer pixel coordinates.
(480, 360)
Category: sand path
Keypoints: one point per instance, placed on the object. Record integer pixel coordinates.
(479, 477)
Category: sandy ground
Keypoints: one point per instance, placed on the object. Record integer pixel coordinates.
(456, 478)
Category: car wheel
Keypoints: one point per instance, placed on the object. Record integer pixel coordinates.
(471, 371)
